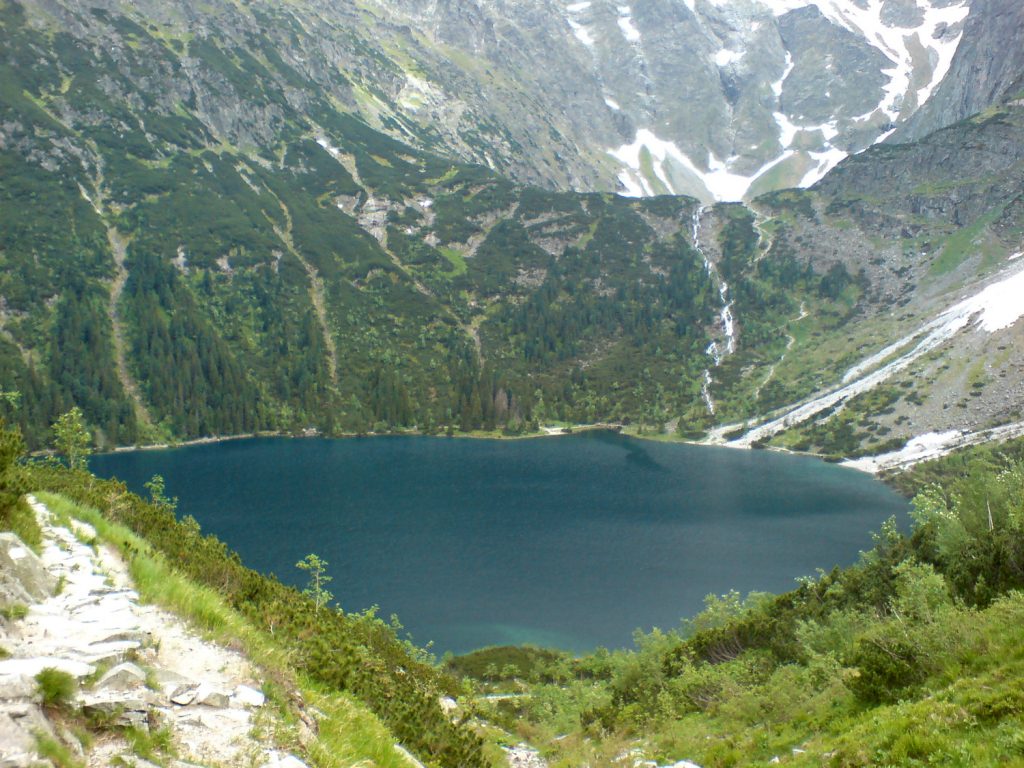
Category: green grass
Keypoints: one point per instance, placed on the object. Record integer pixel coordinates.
(59, 755)
(962, 243)
(350, 734)
(21, 521)
(15, 612)
(57, 688)
(456, 259)
(151, 745)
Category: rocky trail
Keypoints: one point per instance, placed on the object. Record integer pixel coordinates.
(136, 666)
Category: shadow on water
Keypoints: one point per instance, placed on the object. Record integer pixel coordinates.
(637, 453)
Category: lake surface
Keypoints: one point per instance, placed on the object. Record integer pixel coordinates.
(572, 542)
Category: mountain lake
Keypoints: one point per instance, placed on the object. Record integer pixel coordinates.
(571, 541)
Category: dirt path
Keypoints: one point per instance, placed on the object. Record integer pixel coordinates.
(119, 249)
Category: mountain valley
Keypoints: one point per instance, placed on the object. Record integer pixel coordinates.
(785, 224)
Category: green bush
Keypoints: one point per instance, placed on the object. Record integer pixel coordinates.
(56, 687)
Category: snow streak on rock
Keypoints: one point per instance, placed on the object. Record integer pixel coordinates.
(666, 161)
(919, 44)
(994, 308)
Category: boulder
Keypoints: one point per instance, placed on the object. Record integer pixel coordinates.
(17, 686)
(23, 577)
(123, 677)
(448, 704)
(184, 695)
(127, 711)
(18, 726)
(210, 696)
(170, 682)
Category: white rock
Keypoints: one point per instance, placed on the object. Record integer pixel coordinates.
(184, 695)
(122, 677)
(211, 696)
(32, 667)
(23, 576)
(17, 687)
(282, 760)
(448, 704)
(244, 696)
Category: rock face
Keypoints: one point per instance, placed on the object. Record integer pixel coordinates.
(718, 100)
(987, 66)
(23, 577)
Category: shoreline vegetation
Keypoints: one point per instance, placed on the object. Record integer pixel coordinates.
(549, 430)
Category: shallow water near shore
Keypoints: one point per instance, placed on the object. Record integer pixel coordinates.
(571, 542)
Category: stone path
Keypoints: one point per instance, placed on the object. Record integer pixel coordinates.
(153, 671)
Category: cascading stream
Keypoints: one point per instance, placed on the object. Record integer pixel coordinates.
(715, 350)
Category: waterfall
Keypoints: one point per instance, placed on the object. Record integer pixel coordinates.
(715, 350)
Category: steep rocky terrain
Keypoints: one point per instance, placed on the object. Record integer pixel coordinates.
(208, 230)
(977, 78)
(718, 100)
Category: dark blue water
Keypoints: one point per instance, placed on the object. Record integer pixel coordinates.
(571, 542)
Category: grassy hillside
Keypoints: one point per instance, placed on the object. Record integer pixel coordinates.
(329, 652)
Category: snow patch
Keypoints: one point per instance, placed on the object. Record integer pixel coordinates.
(612, 104)
(629, 30)
(777, 85)
(331, 149)
(825, 161)
(932, 445)
(927, 446)
(725, 57)
(581, 32)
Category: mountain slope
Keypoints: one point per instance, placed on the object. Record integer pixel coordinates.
(203, 234)
(719, 100)
(977, 78)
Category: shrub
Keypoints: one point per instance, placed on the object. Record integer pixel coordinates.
(56, 687)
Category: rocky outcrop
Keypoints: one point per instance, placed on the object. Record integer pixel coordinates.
(135, 666)
(23, 577)
(988, 62)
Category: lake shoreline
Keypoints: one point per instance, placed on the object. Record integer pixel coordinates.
(546, 431)
(553, 431)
